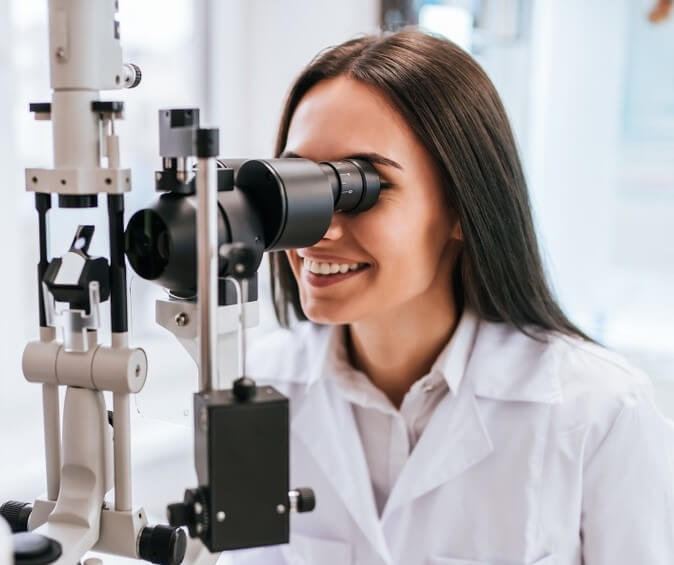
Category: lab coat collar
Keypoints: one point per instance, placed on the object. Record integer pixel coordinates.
(508, 365)
(502, 362)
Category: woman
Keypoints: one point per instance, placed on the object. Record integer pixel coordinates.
(444, 409)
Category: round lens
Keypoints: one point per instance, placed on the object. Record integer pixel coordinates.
(147, 244)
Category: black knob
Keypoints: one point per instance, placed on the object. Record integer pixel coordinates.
(306, 500)
(35, 549)
(134, 75)
(244, 388)
(16, 514)
(163, 545)
(192, 512)
(180, 514)
(242, 261)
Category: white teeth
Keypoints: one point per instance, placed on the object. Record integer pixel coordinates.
(329, 268)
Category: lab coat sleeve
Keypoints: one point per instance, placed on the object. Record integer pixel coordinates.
(628, 488)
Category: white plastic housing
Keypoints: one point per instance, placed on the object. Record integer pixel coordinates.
(84, 48)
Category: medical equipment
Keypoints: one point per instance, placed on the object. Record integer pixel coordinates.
(224, 213)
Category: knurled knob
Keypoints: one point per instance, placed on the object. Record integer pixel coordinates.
(163, 545)
(16, 514)
(306, 499)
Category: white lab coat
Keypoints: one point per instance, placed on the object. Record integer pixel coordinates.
(548, 454)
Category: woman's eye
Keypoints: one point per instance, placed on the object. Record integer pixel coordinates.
(385, 184)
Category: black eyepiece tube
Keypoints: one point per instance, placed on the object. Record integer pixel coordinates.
(296, 198)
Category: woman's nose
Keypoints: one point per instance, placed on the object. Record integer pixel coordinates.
(336, 229)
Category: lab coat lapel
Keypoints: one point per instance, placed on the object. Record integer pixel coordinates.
(505, 365)
(326, 426)
(454, 440)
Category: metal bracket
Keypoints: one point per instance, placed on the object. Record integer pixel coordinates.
(74, 323)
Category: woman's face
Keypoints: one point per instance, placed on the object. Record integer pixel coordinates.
(406, 244)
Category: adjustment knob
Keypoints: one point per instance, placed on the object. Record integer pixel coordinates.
(244, 388)
(16, 514)
(302, 499)
(163, 545)
(192, 512)
(179, 514)
(242, 261)
(132, 75)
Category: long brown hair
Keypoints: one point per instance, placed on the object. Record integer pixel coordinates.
(456, 113)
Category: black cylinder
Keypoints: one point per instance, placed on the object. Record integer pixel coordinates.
(162, 544)
(294, 198)
(78, 200)
(118, 306)
(161, 241)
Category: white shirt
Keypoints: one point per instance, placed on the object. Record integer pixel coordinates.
(388, 435)
(549, 452)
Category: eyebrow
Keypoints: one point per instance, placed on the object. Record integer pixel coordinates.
(372, 157)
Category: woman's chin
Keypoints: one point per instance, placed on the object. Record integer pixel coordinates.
(323, 315)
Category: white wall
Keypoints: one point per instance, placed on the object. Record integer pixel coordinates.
(262, 46)
(578, 58)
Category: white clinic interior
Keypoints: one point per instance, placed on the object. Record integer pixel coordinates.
(588, 86)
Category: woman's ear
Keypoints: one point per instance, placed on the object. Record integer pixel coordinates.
(457, 232)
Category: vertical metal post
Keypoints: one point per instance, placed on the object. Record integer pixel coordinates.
(122, 449)
(207, 255)
(51, 409)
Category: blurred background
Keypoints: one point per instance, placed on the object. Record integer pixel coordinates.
(589, 88)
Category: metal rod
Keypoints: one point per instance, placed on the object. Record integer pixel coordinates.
(207, 271)
(121, 439)
(241, 333)
(122, 449)
(52, 440)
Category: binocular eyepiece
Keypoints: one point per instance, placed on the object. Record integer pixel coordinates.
(263, 204)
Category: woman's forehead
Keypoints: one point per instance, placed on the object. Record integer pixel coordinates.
(343, 116)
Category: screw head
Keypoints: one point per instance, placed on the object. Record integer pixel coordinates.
(60, 53)
(182, 319)
(220, 516)
(280, 509)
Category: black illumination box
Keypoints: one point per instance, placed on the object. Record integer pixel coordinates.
(242, 460)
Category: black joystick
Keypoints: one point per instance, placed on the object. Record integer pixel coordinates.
(244, 389)
(163, 545)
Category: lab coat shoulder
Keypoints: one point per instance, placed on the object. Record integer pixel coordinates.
(628, 457)
(587, 386)
(608, 456)
(597, 385)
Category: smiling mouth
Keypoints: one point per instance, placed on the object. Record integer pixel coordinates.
(320, 268)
